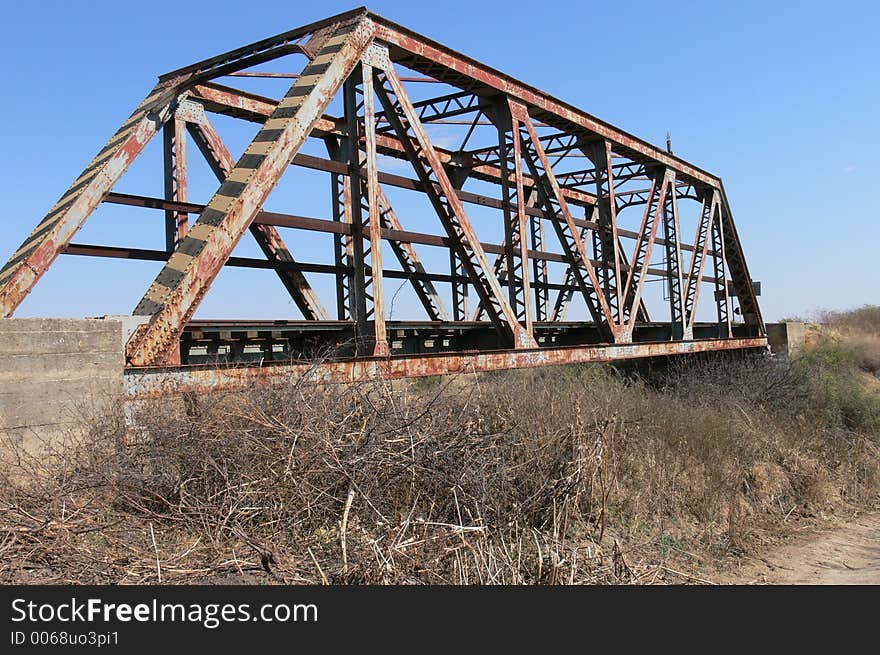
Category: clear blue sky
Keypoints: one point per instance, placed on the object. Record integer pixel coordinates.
(781, 100)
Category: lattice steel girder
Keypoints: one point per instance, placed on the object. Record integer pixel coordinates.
(199, 255)
(635, 281)
(433, 109)
(177, 291)
(411, 262)
(708, 211)
(356, 201)
(672, 231)
(739, 270)
(375, 222)
(722, 293)
(459, 287)
(540, 272)
(560, 217)
(254, 108)
(624, 172)
(449, 208)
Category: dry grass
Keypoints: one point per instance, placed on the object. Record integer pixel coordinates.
(859, 329)
(574, 475)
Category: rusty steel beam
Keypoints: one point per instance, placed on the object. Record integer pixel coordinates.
(694, 280)
(293, 76)
(174, 142)
(635, 281)
(266, 236)
(410, 260)
(174, 296)
(516, 221)
(144, 383)
(374, 209)
(145, 254)
(448, 205)
(240, 104)
(391, 234)
(430, 58)
(58, 227)
(556, 208)
(534, 168)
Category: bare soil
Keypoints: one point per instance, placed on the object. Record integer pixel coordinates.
(846, 552)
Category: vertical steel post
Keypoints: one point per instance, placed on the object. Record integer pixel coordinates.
(632, 294)
(606, 245)
(679, 328)
(177, 291)
(539, 266)
(556, 207)
(708, 207)
(341, 213)
(174, 141)
(722, 293)
(459, 288)
(354, 206)
(380, 346)
(513, 202)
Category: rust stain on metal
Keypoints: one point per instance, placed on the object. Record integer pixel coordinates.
(539, 186)
(147, 383)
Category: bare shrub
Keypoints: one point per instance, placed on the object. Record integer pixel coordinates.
(566, 475)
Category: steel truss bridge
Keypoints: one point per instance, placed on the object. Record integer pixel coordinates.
(583, 214)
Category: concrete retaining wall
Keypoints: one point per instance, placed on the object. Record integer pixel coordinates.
(52, 373)
(786, 338)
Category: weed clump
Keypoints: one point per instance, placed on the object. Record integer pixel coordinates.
(559, 475)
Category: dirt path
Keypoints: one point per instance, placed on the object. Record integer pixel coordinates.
(848, 553)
